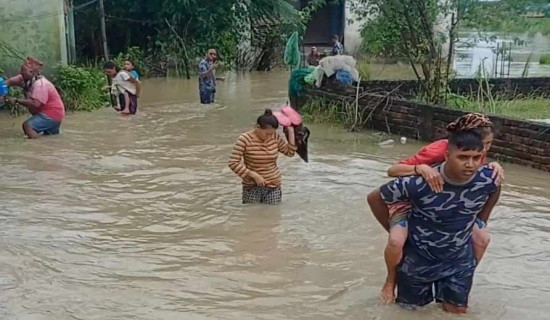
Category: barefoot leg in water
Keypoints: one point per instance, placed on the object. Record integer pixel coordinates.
(481, 239)
(393, 255)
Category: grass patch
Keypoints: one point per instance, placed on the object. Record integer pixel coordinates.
(518, 25)
(525, 108)
(321, 111)
(545, 58)
(378, 70)
(363, 66)
(329, 112)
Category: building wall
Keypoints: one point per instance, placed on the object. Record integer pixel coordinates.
(352, 31)
(33, 28)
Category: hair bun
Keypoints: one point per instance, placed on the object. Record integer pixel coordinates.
(268, 112)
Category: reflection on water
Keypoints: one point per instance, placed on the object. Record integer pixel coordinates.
(477, 51)
(140, 218)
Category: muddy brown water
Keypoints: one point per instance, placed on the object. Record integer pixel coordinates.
(140, 218)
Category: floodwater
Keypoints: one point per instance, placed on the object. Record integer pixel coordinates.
(140, 218)
(478, 51)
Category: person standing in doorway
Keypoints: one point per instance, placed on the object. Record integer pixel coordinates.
(337, 47)
(207, 77)
(41, 99)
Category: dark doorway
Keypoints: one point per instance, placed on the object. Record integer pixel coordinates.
(325, 23)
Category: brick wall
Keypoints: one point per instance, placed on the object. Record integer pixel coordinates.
(522, 142)
(539, 87)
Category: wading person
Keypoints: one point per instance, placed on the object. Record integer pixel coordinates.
(124, 86)
(420, 164)
(254, 159)
(41, 99)
(207, 77)
(439, 251)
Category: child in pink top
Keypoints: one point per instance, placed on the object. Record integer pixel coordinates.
(420, 164)
(41, 99)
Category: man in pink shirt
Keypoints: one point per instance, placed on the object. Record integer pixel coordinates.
(41, 99)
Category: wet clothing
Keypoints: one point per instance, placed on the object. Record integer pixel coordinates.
(134, 74)
(132, 106)
(43, 91)
(122, 84)
(207, 83)
(43, 124)
(434, 153)
(264, 195)
(121, 87)
(252, 154)
(439, 249)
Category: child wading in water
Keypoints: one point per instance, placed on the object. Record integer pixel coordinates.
(420, 164)
(124, 86)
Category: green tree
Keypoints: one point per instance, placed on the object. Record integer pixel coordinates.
(423, 31)
(176, 32)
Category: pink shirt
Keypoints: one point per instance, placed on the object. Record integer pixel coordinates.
(432, 154)
(43, 91)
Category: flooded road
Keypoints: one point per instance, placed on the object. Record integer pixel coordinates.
(140, 218)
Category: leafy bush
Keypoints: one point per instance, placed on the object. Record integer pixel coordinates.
(381, 38)
(81, 88)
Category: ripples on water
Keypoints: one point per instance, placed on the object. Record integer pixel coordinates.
(140, 218)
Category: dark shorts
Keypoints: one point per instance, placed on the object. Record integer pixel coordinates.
(43, 124)
(453, 289)
(133, 102)
(418, 279)
(207, 95)
(264, 195)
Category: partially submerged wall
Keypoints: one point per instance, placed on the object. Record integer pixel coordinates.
(522, 142)
(32, 28)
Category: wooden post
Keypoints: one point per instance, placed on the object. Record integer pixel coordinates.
(103, 32)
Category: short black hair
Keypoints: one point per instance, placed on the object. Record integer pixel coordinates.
(268, 120)
(111, 65)
(466, 140)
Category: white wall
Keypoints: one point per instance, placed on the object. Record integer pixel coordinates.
(352, 33)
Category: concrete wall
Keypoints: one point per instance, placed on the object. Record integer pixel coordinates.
(522, 142)
(33, 28)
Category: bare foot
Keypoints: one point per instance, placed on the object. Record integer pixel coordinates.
(387, 295)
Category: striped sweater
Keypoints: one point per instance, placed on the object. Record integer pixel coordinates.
(252, 154)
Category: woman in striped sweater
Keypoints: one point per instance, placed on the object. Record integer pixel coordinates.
(254, 159)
